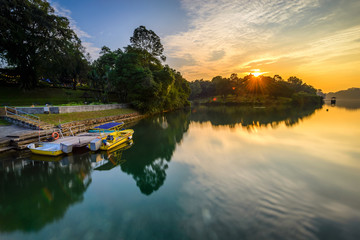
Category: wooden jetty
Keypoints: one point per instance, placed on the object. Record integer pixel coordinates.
(80, 140)
(73, 132)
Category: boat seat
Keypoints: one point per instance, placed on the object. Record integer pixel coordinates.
(47, 148)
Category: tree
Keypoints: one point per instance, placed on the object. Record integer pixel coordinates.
(195, 89)
(147, 40)
(138, 76)
(32, 38)
(298, 85)
(222, 86)
(102, 72)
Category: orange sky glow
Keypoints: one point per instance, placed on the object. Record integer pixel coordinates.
(317, 41)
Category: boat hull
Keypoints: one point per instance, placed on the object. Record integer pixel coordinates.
(47, 153)
(127, 136)
(46, 149)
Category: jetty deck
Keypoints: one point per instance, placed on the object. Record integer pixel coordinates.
(80, 140)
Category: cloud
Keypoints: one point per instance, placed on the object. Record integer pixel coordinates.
(217, 55)
(185, 60)
(249, 32)
(84, 36)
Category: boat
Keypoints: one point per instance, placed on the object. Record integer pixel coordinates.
(107, 127)
(50, 149)
(333, 100)
(115, 139)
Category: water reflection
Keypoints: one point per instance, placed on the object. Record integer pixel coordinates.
(349, 104)
(104, 161)
(156, 140)
(35, 193)
(37, 190)
(250, 116)
(284, 183)
(194, 181)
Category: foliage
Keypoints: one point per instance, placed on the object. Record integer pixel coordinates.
(147, 40)
(11, 96)
(303, 98)
(138, 76)
(252, 87)
(100, 72)
(38, 44)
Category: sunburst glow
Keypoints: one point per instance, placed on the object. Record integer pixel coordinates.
(256, 72)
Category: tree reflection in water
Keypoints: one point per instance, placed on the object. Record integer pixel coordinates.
(156, 138)
(155, 142)
(249, 117)
(35, 193)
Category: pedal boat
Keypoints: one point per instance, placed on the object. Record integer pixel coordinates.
(114, 139)
(47, 149)
(107, 127)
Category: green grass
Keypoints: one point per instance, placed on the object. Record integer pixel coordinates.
(12, 96)
(3, 122)
(78, 116)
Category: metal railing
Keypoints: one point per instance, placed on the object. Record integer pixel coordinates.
(35, 120)
(79, 130)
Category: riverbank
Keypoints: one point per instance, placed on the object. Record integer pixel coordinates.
(18, 140)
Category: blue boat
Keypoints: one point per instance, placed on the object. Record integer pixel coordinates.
(108, 127)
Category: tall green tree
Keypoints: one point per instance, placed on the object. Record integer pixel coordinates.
(147, 40)
(32, 38)
(139, 77)
(222, 86)
(101, 74)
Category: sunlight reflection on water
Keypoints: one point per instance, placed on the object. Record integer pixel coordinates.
(274, 183)
(221, 173)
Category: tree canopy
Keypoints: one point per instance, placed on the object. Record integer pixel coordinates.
(147, 40)
(250, 85)
(138, 76)
(36, 43)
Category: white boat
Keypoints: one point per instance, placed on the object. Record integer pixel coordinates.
(50, 149)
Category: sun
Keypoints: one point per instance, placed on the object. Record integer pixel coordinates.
(256, 72)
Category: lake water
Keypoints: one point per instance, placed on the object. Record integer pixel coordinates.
(206, 173)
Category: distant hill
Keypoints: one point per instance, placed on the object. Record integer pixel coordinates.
(351, 93)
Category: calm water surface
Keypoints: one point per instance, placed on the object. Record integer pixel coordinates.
(208, 173)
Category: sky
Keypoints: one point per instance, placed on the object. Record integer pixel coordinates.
(316, 40)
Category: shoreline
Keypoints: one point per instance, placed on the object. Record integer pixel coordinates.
(19, 141)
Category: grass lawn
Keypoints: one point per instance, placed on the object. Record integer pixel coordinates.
(3, 122)
(78, 116)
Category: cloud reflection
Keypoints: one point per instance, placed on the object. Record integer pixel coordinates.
(264, 184)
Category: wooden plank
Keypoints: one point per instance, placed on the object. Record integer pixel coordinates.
(4, 149)
(30, 135)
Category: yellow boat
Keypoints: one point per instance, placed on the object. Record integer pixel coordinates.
(116, 138)
(47, 149)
